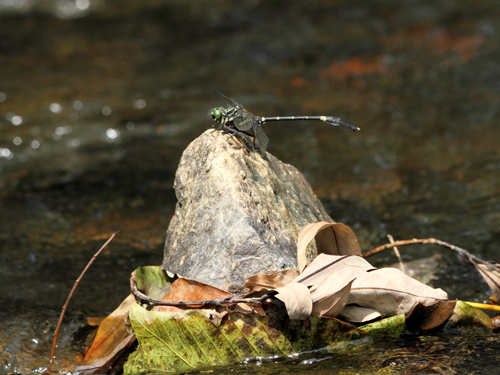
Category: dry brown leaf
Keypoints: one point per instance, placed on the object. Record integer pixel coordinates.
(262, 283)
(331, 296)
(113, 362)
(391, 292)
(110, 333)
(331, 238)
(492, 278)
(358, 314)
(429, 317)
(325, 265)
(369, 293)
(184, 289)
(297, 300)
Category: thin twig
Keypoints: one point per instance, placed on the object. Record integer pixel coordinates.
(466, 256)
(433, 241)
(54, 341)
(231, 300)
(396, 251)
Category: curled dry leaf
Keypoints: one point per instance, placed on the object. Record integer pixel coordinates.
(262, 283)
(297, 300)
(431, 316)
(352, 287)
(326, 303)
(491, 275)
(331, 238)
(391, 292)
(325, 265)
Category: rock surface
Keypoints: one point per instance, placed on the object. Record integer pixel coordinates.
(238, 213)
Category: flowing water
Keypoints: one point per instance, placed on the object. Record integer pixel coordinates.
(98, 99)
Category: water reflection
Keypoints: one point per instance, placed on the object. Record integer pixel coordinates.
(140, 104)
(6, 153)
(60, 8)
(77, 104)
(112, 135)
(55, 108)
(16, 120)
(106, 111)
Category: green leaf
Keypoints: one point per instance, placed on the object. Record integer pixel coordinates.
(153, 281)
(182, 341)
(467, 317)
(393, 326)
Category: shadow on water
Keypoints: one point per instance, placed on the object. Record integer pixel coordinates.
(98, 99)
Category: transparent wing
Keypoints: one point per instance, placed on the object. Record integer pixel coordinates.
(243, 120)
(230, 101)
(261, 137)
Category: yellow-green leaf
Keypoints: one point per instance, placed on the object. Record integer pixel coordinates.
(183, 341)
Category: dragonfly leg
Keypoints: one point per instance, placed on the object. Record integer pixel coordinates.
(238, 134)
(213, 126)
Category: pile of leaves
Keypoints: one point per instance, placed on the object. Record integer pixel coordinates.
(183, 324)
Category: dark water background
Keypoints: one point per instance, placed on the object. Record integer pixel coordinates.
(98, 99)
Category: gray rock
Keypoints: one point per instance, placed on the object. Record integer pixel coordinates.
(238, 213)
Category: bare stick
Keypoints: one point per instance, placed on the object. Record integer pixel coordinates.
(462, 252)
(231, 300)
(54, 341)
(396, 251)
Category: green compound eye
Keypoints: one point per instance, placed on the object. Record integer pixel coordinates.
(216, 114)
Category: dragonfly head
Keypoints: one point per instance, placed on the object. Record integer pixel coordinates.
(216, 114)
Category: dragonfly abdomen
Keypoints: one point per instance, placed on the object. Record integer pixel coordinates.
(293, 118)
(336, 121)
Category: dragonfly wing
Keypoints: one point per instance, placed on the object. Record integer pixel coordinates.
(230, 101)
(261, 137)
(243, 120)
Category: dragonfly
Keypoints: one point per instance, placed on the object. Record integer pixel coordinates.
(237, 120)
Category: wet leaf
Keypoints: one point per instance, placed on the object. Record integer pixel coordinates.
(331, 238)
(466, 317)
(110, 333)
(262, 283)
(393, 326)
(297, 300)
(183, 341)
(113, 362)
